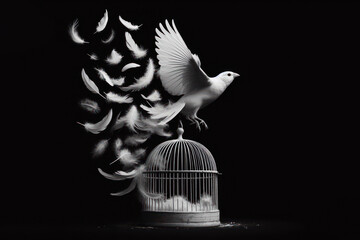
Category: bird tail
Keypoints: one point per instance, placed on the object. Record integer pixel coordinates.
(166, 114)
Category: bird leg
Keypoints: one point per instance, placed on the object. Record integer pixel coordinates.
(202, 122)
(194, 121)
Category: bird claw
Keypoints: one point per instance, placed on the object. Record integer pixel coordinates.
(202, 122)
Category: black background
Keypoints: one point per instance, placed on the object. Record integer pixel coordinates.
(280, 133)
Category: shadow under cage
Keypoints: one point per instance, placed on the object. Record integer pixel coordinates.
(183, 174)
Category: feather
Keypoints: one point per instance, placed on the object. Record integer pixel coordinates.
(100, 147)
(137, 139)
(129, 65)
(103, 75)
(129, 25)
(102, 23)
(117, 146)
(110, 38)
(143, 81)
(93, 56)
(119, 175)
(74, 33)
(89, 83)
(118, 81)
(100, 126)
(126, 158)
(127, 190)
(139, 153)
(113, 97)
(153, 126)
(153, 97)
(132, 118)
(90, 105)
(137, 51)
(114, 58)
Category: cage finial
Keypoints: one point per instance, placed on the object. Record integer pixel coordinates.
(180, 131)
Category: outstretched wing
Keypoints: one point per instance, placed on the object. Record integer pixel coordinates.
(180, 71)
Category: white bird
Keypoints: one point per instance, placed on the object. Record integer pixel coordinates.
(181, 74)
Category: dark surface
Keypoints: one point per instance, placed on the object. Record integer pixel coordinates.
(281, 134)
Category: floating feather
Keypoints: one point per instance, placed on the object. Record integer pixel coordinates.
(132, 118)
(129, 25)
(74, 33)
(89, 83)
(103, 75)
(152, 126)
(129, 65)
(100, 147)
(93, 56)
(90, 105)
(119, 175)
(137, 51)
(110, 38)
(153, 97)
(114, 58)
(143, 81)
(102, 23)
(100, 126)
(137, 139)
(117, 146)
(118, 81)
(114, 97)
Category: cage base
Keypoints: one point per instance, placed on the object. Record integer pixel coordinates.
(181, 219)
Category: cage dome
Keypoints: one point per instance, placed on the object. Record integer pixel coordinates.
(184, 174)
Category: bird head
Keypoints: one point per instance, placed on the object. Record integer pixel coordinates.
(228, 77)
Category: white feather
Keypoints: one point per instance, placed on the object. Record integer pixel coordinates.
(114, 58)
(113, 97)
(129, 65)
(100, 147)
(137, 139)
(152, 126)
(132, 118)
(153, 97)
(89, 83)
(93, 56)
(103, 75)
(119, 175)
(143, 81)
(129, 25)
(102, 23)
(90, 105)
(100, 126)
(74, 33)
(110, 38)
(117, 146)
(138, 52)
(127, 158)
(118, 81)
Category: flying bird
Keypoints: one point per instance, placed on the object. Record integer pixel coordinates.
(181, 75)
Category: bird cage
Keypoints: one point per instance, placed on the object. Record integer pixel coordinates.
(182, 174)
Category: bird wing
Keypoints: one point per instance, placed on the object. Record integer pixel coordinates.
(180, 71)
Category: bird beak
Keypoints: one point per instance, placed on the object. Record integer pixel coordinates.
(236, 75)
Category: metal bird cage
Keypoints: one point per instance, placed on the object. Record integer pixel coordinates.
(183, 174)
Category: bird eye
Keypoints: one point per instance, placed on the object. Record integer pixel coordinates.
(229, 74)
